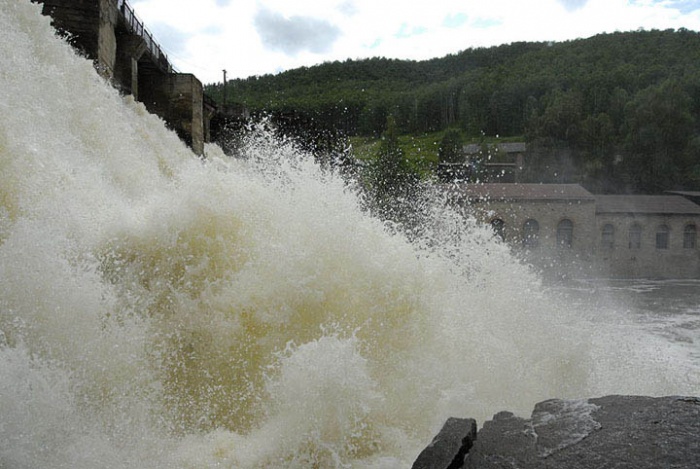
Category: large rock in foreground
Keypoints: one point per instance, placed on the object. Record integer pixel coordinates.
(449, 447)
(609, 432)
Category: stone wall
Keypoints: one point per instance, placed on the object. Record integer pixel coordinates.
(545, 250)
(625, 261)
(517, 207)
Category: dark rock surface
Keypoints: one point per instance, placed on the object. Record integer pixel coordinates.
(448, 448)
(612, 432)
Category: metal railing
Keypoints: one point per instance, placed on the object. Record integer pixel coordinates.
(136, 26)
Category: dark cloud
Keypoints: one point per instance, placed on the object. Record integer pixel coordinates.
(295, 34)
(573, 5)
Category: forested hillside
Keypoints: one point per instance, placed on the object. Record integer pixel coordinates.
(615, 112)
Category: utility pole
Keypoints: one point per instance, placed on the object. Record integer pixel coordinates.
(223, 105)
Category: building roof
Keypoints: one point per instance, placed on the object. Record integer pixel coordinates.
(652, 204)
(686, 193)
(549, 192)
(509, 147)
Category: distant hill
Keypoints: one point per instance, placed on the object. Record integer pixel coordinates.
(625, 106)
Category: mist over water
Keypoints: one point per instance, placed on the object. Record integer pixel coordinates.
(161, 311)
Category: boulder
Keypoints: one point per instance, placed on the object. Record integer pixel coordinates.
(608, 432)
(448, 448)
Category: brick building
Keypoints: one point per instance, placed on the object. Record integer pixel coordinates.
(564, 228)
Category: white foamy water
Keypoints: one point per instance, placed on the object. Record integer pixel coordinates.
(160, 311)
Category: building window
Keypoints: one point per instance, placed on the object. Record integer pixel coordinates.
(635, 236)
(662, 237)
(531, 233)
(565, 233)
(690, 235)
(608, 236)
(499, 228)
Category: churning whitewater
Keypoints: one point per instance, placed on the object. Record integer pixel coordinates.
(158, 310)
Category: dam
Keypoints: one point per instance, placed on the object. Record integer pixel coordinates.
(125, 53)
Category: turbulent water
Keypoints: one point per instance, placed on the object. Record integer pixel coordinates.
(161, 311)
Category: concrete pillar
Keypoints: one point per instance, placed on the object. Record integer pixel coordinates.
(130, 48)
(179, 99)
(90, 25)
(187, 109)
(106, 38)
(209, 111)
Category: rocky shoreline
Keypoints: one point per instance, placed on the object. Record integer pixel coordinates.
(609, 432)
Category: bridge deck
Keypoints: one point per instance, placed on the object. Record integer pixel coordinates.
(135, 26)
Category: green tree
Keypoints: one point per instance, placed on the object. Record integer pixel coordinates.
(659, 128)
(450, 149)
(597, 152)
(393, 182)
(561, 119)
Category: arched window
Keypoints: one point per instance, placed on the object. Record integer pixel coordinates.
(607, 239)
(531, 233)
(565, 233)
(690, 235)
(499, 228)
(662, 237)
(635, 236)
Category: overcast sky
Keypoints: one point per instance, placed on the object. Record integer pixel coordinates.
(257, 37)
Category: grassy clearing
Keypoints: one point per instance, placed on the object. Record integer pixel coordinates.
(421, 151)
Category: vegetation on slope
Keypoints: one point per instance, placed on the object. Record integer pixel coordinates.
(615, 112)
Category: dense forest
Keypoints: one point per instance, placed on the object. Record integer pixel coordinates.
(616, 112)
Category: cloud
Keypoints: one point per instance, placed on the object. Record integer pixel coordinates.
(348, 8)
(294, 34)
(685, 6)
(573, 5)
(409, 31)
(455, 21)
(200, 36)
(377, 42)
(175, 39)
(484, 23)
